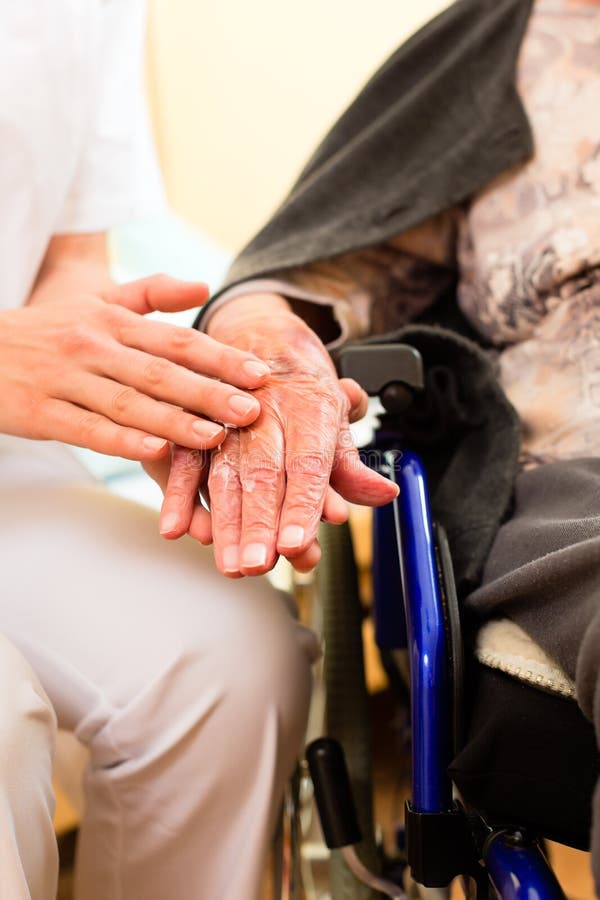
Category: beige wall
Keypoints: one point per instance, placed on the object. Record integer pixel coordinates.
(241, 90)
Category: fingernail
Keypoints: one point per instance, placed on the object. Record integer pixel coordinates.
(291, 536)
(154, 443)
(253, 556)
(207, 430)
(241, 405)
(169, 523)
(231, 558)
(256, 369)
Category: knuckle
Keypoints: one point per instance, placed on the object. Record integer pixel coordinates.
(117, 314)
(263, 476)
(224, 514)
(223, 478)
(181, 338)
(123, 399)
(265, 458)
(171, 419)
(178, 498)
(217, 395)
(121, 320)
(77, 339)
(258, 523)
(37, 410)
(313, 465)
(89, 424)
(262, 481)
(306, 490)
(186, 460)
(185, 474)
(223, 356)
(302, 510)
(156, 371)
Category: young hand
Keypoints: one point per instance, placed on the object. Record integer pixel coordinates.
(90, 370)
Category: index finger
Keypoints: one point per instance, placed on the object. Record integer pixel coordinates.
(193, 350)
(158, 292)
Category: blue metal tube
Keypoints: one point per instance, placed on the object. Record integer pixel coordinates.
(388, 607)
(517, 871)
(427, 643)
(520, 872)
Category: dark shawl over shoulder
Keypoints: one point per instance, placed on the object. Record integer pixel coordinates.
(437, 122)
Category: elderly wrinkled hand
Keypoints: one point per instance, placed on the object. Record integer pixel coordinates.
(271, 482)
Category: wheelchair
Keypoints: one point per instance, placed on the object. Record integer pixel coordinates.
(497, 764)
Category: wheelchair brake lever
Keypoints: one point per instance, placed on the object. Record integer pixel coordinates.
(382, 885)
(337, 812)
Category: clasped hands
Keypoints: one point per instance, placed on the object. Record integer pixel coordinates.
(270, 482)
(89, 369)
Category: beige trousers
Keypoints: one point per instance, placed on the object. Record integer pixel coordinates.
(28, 858)
(189, 690)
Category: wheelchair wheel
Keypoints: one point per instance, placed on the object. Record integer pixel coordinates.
(286, 879)
(347, 709)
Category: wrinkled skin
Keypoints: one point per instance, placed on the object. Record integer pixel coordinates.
(271, 482)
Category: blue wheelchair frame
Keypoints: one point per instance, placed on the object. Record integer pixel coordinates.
(443, 839)
(407, 588)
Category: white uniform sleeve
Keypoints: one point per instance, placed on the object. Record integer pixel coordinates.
(117, 179)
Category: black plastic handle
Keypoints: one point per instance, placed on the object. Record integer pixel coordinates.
(333, 793)
(376, 365)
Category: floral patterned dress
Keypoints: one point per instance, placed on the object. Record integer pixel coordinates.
(525, 252)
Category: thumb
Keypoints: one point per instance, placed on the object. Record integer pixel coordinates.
(357, 398)
(158, 292)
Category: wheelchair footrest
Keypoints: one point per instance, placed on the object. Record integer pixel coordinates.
(439, 846)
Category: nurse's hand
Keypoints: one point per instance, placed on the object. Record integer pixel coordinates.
(271, 483)
(90, 370)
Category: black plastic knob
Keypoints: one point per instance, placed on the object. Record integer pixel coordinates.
(333, 793)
